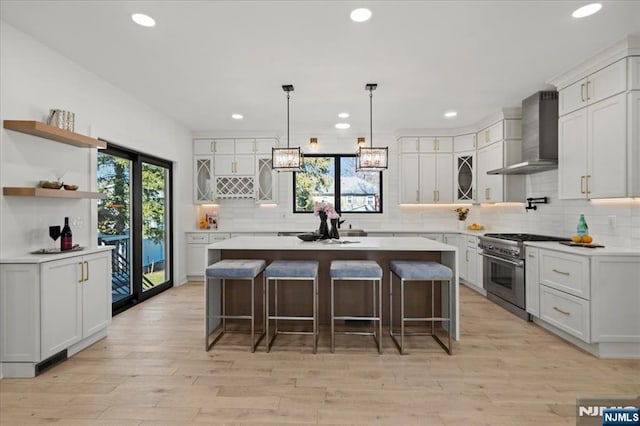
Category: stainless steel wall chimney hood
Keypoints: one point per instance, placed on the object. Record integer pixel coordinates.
(539, 136)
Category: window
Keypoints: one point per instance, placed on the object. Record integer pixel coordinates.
(333, 178)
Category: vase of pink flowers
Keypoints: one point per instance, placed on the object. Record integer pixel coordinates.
(326, 211)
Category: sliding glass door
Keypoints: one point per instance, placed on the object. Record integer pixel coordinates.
(155, 229)
(135, 217)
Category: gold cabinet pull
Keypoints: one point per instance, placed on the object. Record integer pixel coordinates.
(532, 256)
(582, 179)
(555, 308)
(561, 272)
(588, 96)
(588, 179)
(582, 92)
(467, 255)
(87, 263)
(81, 271)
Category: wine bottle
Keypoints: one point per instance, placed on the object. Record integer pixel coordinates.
(582, 228)
(65, 236)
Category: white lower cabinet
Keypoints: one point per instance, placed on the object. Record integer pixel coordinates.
(532, 281)
(432, 236)
(567, 312)
(469, 261)
(48, 307)
(590, 300)
(196, 251)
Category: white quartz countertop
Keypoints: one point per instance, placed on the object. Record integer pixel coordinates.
(41, 258)
(367, 230)
(346, 243)
(584, 251)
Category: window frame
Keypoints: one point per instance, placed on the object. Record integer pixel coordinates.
(337, 187)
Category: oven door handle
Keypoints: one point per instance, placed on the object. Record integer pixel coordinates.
(519, 264)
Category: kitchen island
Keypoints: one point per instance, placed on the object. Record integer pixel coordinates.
(381, 250)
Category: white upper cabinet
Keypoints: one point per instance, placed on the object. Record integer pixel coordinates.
(492, 155)
(597, 143)
(464, 182)
(600, 85)
(233, 168)
(464, 142)
(426, 144)
(491, 134)
(633, 73)
(426, 170)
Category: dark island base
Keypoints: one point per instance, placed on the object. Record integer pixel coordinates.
(352, 297)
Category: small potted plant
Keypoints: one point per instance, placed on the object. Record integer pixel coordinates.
(462, 213)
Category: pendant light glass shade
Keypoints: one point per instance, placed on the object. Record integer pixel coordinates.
(286, 159)
(370, 158)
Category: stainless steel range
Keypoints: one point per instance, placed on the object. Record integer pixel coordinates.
(504, 266)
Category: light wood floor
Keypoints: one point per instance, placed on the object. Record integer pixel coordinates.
(153, 370)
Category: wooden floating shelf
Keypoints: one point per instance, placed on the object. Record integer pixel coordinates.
(52, 193)
(43, 130)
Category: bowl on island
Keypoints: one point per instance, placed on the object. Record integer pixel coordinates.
(309, 237)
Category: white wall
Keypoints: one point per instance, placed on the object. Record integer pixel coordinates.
(34, 78)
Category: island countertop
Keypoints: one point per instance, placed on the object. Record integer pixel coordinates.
(346, 243)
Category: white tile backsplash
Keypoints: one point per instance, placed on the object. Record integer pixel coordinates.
(558, 217)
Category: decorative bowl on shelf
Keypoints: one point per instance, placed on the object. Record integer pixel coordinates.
(71, 187)
(50, 184)
(309, 237)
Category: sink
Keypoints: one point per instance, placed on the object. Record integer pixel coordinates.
(352, 232)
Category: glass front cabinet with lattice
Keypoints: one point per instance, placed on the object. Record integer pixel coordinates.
(464, 166)
(238, 168)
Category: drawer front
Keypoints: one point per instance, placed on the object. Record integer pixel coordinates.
(568, 313)
(565, 272)
(214, 238)
(197, 238)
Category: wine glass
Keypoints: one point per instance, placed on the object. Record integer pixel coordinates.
(54, 233)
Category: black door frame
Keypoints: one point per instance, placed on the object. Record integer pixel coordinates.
(137, 159)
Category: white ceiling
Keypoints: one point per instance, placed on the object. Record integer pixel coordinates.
(208, 59)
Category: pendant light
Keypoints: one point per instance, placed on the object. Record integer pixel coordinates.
(286, 159)
(372, 159)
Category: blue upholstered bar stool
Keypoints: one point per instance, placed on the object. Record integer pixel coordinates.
(413, 270)
(234, 269)
(358, 270)
(291, 270)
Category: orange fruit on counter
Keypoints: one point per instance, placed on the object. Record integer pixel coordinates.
(576, 239)
(587, 239)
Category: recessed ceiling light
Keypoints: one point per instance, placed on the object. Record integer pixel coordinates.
(450, 114)
(237, 116)
(587, 10)
(343, 115)
(360, 15)
(343, 126)
(143, 20)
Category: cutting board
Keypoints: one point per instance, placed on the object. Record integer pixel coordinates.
(587, 245)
